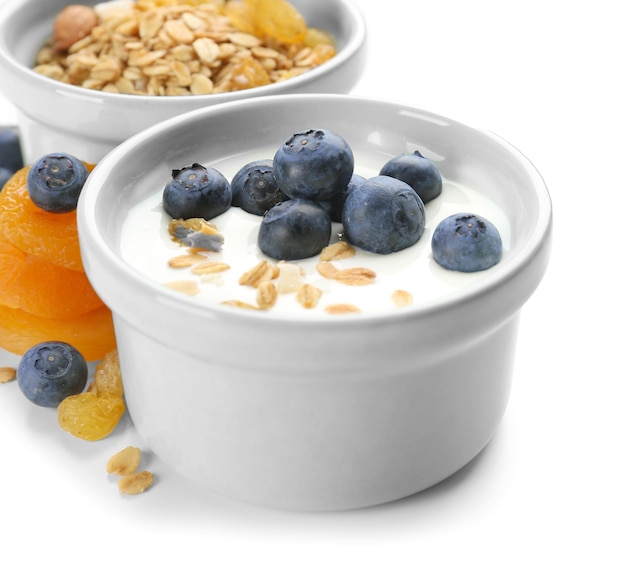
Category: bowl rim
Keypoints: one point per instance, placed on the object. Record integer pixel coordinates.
(354, 43)
(496, 277)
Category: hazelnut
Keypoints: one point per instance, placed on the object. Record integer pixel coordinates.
(72, 24)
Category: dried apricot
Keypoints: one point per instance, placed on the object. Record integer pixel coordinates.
(89, 416)
(91, 333)
(44, 293)
(11, 261)
(42, 288)
(53, 237)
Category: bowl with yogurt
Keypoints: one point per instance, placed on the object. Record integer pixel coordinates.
(129, 64)
(295, 406)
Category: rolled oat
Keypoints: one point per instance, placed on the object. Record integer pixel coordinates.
(308, 295)
(187, 260)
(210, 267)
(172, 48)
(188, 287)
(124, 462)
(266, 295)
(7, 374)
(338, 250)
(135, 483)
(402, 298)
(261, 272)
(342, 309)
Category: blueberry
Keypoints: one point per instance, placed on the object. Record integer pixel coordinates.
(196, 191)
(314, 165)
(418, 172)
(55, 181)
(294, 229)
(383, 215)
(466, 243)
(51, 371)
(334, 206)
(255, 189)
(10, 150)
(5, 176)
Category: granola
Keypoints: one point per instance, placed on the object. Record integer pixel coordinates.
(158, 48)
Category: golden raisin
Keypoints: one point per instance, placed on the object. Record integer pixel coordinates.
(315, 36)
(107, 377)
(89, 416)
(248, 73)
(280, 20)
(276, 19)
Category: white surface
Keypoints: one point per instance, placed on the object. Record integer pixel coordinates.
(544, 505)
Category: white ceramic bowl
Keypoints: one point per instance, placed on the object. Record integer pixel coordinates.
(326, 414)
(54, 116)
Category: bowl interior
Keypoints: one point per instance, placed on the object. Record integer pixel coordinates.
(228, 136)
(26, 28)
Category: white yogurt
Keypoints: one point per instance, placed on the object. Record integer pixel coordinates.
(147, 246)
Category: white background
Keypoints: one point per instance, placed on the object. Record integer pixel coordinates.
(544, 504)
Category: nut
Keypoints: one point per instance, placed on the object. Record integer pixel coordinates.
(72, 24)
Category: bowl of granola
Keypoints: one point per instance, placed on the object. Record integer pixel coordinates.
(314, 379)
(85, 77)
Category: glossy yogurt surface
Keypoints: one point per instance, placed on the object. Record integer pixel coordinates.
(147, 246)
